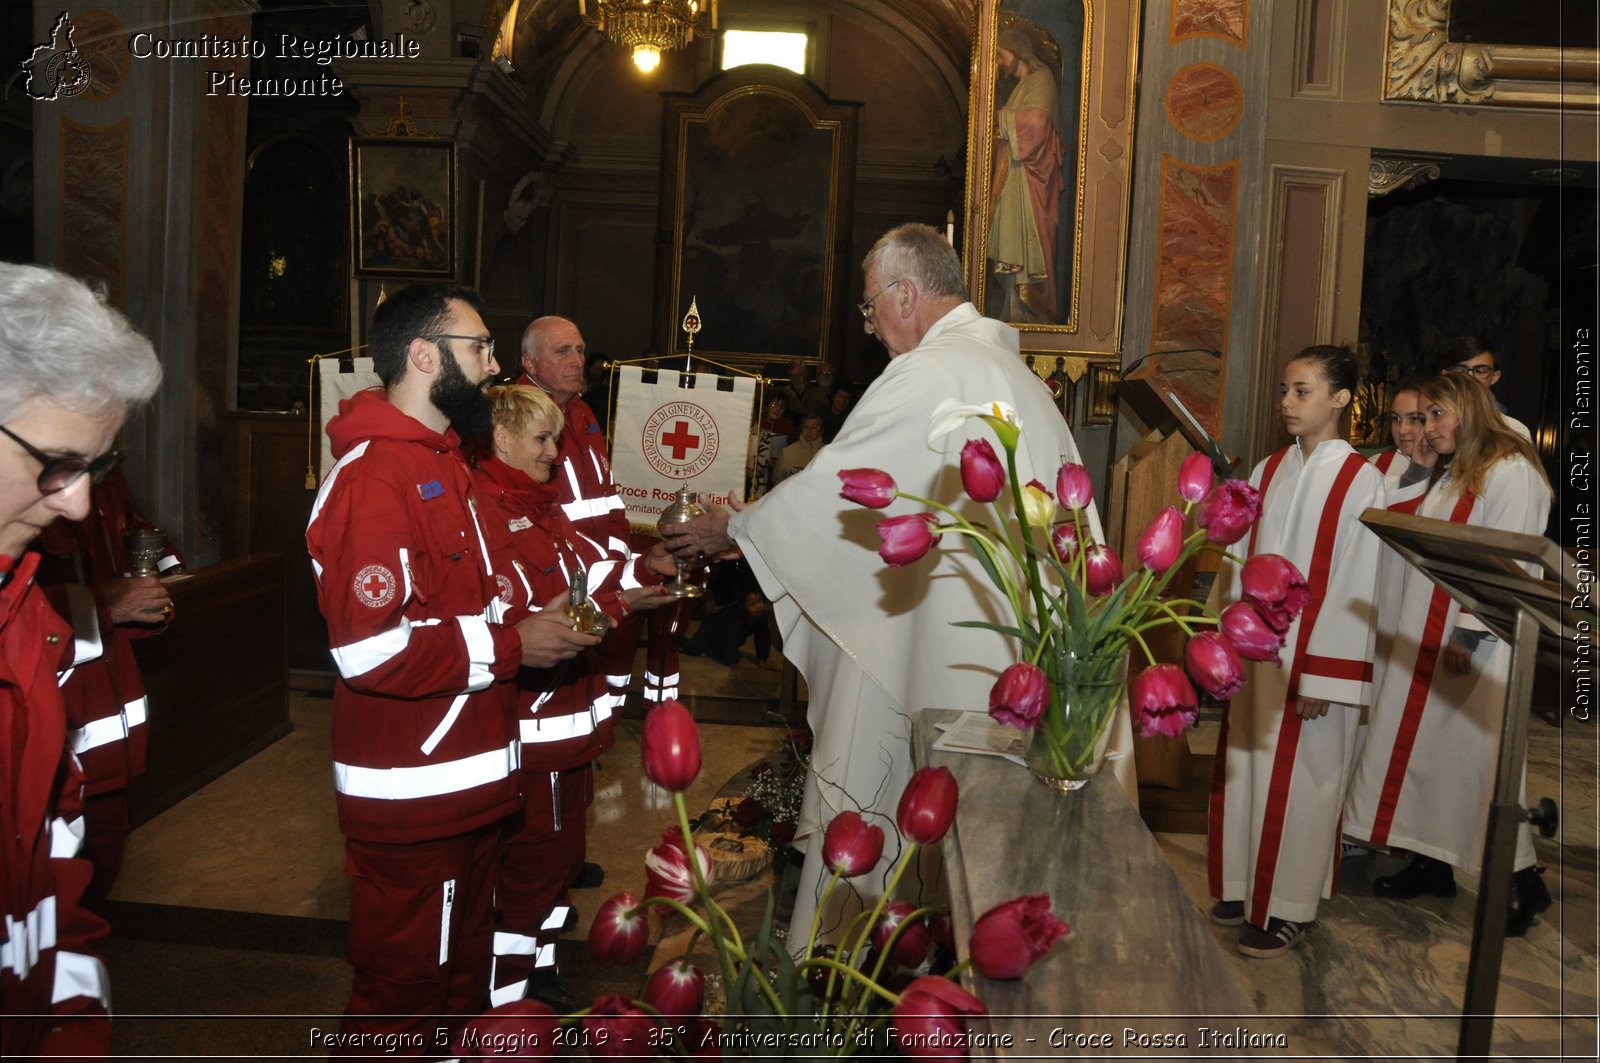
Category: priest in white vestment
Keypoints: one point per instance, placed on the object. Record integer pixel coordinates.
(875, 644)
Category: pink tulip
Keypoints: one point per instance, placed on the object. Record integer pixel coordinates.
(619, 931)
(1228, 511)
(1276, 588)
(1162, 701)
(981, 472)
(671, 746)
(1194, 477)
(911, 947)
(1074, 489)
(667, 871)
(1008, 938)
(931, 1015)
(851, 845)
(521, 1029)
(1162, 542)
(1214, 664)
(928, 805)
(615, 1029)
(905, 538)
(1018, 698)
(872, 488)
(1064, 539)
(678, 989)
(1102, 570)
(1250, 634)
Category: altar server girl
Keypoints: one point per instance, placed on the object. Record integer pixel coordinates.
(1411, 459)
(1289, 736)
(1426, 775)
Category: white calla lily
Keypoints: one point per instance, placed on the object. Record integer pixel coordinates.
(950, 415)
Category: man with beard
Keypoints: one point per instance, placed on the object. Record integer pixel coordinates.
(424, 738)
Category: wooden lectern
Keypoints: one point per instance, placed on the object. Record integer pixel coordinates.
(1175, 394)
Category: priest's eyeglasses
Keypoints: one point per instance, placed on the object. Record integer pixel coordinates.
(866, 307)
(60, 473)
(484, 344)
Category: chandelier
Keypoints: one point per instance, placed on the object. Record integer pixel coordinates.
(648, 27)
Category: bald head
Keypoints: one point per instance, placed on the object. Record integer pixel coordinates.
(553, 356)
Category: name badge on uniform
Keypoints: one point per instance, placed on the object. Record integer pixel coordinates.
(519, 524)
(431, 489)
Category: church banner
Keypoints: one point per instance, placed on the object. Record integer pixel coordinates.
(336, 387)
(666, 435)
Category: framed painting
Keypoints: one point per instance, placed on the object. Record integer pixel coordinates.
(1102, 400)
(403, 207)
(1486, 53)
(757, 173)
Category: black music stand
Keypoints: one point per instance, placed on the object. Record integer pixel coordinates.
(1482, 569)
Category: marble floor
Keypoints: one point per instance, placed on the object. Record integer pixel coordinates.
(229, 917)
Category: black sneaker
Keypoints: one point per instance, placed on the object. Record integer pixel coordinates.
(547, 989)
(590, 877)
(1278, 938)
(1529, 897)
(1227, 913)
(1423, 875)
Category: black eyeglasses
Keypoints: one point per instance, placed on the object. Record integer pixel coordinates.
(60, 473)
(486, 343)
(1479, 371)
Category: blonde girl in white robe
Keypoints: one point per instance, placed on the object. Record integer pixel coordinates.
(1426, 775)
(1289, 736)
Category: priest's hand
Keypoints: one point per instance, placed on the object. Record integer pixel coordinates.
(549, 637)
(704, 536)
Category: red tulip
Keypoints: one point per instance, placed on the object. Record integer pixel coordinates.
(851, 845)
(1162, 701)
(619, 931)
(521, 1029)
(981, 472)
(671, 746)
(1018, 698)
(1162, 542)
(1276, 588)
(1102, 570)
(905, 538)
(1194, 477)
(928, 805)
(1008, 938)
(1074, 489)
(911, 947)
(616, 1029)
(678, 989)
(931, 1015)
(1214, 664)
(1228, 511)
(667, 871)
(872, 488)
(1250, 634)
(1064, 538)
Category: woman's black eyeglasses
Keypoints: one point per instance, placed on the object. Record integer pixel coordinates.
(60, 473)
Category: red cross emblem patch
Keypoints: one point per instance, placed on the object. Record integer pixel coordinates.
(680, 440)
(374, 586)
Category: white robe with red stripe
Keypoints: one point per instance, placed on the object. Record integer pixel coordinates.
(1426, 776)
(1279, 781)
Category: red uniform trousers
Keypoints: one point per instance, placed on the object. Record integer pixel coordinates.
(408, 903)
(542, 852)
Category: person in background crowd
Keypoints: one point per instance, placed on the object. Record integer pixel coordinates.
(839, 403)
(874, 642)
(798, 455)
(723, 634)
(564, 714)
(1425, 779)
(804, 397)
(1470, 356)
(553, 360)
(425, 745)
(70, 367)
(85, 569)
(1289, 735)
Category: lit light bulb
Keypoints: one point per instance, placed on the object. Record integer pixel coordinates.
(646, 58)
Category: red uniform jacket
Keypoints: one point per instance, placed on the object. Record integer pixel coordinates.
(424, 740)
(50, 969)
(587, 494)
(106, 711)
(566, 714)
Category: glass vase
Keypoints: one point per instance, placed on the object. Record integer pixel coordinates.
(1069, 745)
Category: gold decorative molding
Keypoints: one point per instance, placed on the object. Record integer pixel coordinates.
(1390, 173)
(1422, 64)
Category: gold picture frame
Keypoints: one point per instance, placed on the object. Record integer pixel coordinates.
(403, 207)
(1101, 404)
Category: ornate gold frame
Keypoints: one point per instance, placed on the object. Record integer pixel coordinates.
(1421, 64)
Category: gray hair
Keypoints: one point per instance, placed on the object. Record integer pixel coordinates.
(536, 334)
(922, 253)
(60, 341)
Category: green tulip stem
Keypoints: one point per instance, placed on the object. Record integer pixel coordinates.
(1025, 531)
(837, 969)
(711, 926)
(990, 544)
(958, 968)
(866, 932)
(1150, 658)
